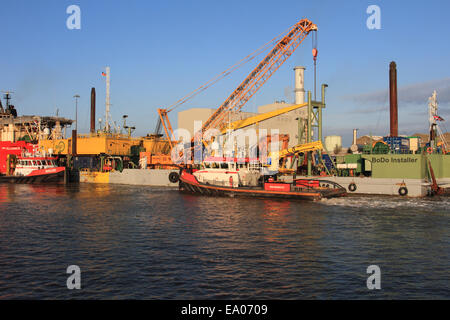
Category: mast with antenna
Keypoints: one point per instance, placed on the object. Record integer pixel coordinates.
(435, 130)
(107, 102)
(7, 97)
(9, 108)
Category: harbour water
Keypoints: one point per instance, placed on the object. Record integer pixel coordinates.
(155, 243)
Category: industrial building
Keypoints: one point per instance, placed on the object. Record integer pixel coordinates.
(286, 123)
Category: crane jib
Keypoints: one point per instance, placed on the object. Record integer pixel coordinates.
(264, 70)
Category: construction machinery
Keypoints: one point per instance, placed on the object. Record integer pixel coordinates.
(276, 156)
(283, 49)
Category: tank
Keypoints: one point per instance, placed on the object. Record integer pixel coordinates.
(332, 143)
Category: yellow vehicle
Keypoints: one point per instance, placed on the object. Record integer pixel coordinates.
(301, 148)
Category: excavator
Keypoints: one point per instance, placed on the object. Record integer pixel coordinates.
(275, 156)
(282, 50)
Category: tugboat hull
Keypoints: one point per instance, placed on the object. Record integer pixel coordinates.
(54, 175)
(189, 183)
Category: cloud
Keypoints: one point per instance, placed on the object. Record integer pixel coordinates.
(417, 93)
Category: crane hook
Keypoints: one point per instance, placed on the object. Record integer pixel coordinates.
(314, 53)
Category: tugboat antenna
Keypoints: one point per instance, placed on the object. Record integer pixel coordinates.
(7, 97)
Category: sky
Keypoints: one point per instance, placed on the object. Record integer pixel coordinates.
(159, 51)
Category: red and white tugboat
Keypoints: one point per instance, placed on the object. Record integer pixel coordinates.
(231, 177)
(29, 166)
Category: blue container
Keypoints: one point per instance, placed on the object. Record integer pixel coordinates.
(397, 144)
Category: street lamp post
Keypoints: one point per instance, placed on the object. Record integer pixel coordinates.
(76, 111)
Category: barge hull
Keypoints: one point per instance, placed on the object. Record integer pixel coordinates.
(144, 177)
(379, 186)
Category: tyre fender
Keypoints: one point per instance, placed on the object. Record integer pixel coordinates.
(174, 177)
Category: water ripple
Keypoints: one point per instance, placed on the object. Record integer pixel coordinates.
(154, 243)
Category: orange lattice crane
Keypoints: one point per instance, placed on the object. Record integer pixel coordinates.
(164, 121)
(265, 69)
(283, 49)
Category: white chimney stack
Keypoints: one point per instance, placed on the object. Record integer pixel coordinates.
(355, 135)
(299, 85)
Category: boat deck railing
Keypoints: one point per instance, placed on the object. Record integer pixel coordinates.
(308, 185)
(317, 184)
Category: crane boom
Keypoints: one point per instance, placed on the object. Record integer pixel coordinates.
(306, 147)
(251, 84)
(239, 124)
(301, 148)
(164, 120)
(265, 69)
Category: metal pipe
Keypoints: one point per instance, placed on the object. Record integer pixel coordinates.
(107, 102)
(309, 124)
(309, 128)
(76, 111)
(323, 92)
(324, 86)
(74, 142)
(93, 110)
(393, 99)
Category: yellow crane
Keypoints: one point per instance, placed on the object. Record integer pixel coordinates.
(301, 148)
(239, 124)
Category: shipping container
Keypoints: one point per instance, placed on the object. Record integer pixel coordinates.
(397, 144)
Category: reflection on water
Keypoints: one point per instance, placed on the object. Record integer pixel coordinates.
(153, 243)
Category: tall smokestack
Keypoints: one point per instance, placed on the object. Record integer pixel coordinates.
(93, 110)
(355, 135)
(299, 85)
(393, 99)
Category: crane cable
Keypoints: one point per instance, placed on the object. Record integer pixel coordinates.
(225, 73)
(314, 53)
